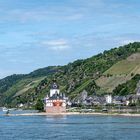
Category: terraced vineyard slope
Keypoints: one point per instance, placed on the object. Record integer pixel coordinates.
(119, 73)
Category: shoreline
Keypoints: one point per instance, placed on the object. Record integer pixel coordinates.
(74, 113)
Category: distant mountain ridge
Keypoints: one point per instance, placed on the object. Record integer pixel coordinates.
(73, 78)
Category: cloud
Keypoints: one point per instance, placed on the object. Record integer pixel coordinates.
(65, 11)
(56, 42)
(23, 16)
(60, 44)
(21, 60)
(38, 14)
(126, 38)
(125, 42)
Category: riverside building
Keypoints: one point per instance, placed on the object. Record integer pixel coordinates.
(56, 101)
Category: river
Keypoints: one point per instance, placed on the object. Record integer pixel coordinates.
(72, 127)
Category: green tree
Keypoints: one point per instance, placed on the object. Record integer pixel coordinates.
(39, 105)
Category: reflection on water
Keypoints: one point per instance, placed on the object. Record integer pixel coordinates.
(55, 117)
(75, 127)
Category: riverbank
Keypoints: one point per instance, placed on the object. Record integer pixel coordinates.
(74, 113)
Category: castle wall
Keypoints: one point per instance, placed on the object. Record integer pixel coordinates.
(55, 109)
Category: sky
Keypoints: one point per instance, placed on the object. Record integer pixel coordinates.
(39, 33)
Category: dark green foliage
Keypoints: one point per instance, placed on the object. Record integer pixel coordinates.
(39, 105)
(127, 88)
(45, 71)
(91, 87)
(132, 74)
(7, 82)
(138, 102)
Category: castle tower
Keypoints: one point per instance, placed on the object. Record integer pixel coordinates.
(56, 103)
(54, 89)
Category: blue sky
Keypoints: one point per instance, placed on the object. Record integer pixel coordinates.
(39, 33)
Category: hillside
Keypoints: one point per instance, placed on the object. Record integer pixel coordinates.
(128, 87)
(119, 73)
(74, 77)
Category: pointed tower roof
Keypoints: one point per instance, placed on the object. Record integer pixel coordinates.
(54, 85)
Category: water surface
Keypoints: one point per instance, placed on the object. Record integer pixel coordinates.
(74, 127)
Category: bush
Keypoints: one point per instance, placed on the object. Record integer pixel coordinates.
(39, 105)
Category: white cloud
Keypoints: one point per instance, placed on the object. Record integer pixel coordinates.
(60, 44)
(24, 15)
(55, 42)
(22, 60)
(125, 42)
(38, 14)
(124, 39)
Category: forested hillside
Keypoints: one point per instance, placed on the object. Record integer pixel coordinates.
(72, 78)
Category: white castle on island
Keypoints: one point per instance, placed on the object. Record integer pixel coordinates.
(56, 101)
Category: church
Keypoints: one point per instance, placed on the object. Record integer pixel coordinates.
(56, 101)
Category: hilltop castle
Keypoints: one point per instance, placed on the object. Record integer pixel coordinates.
(56, 101)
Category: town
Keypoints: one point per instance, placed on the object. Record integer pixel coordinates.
(128, 100)
(58, 103)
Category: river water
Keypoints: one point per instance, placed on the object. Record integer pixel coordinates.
(73, 127)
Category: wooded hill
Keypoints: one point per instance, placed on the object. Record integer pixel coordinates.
(99, 74)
